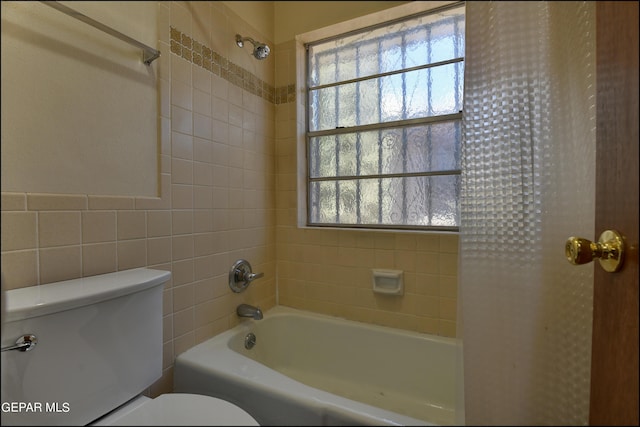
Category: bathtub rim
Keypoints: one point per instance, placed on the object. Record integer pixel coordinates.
(283, 309)
(250, 373)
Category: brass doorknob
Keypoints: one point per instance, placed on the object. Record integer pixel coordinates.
(609, 250)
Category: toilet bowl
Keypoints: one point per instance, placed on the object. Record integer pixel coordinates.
(97, 347)
(177, 409)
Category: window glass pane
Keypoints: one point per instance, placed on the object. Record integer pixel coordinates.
(322, 199)
(412, 149)
(429, 201)
(421, 40)
(445, 193)
(419, 93)
(348, 202)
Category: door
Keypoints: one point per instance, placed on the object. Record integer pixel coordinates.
(614, 365)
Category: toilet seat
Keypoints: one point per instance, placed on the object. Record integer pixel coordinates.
(185, 409)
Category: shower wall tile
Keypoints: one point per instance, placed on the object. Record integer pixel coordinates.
(203, 171)
(14, 202)
(448, 309)
(182, 196)
(203, 151)
(431, 243)
(158, 223)
(98, 226)
(202, 126)
(60, 263)
(202, 81)
(448, 286)
(181, 93)
(202, 197)
(111, 203)
(99, 258)
(448, 264)
(158, 250)
(182, 221)
(181, 120)
(202, 224)
(181, 171)
(181, 145)
(132, 254)
(183, 297)
(131, 225)
(20, 268)
(182, 247)
(428, 284)
(59, 229)
(182, 272)
(183, 321)
(67, 202)
(19, 230)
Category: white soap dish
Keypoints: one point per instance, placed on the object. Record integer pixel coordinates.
(388, 282)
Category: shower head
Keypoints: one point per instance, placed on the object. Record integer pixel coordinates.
(260, 50)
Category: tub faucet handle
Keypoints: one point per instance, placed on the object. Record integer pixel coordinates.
(253, 276)
(240, 275)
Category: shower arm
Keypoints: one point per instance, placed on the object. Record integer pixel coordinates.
(240, 40)
(260, 50)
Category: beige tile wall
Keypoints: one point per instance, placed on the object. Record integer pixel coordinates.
(329, 271)
(217, 184)
(228, 184)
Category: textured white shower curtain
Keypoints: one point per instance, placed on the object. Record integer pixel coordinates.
(527, 185)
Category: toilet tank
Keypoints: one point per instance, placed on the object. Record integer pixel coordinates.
(99, 344)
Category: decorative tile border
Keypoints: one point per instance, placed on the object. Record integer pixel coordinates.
(205, 57)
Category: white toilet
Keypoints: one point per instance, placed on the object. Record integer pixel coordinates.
(98, 347)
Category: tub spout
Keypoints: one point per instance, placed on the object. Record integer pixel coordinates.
(246, 310)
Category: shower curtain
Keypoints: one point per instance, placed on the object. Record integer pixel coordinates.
(527, 185)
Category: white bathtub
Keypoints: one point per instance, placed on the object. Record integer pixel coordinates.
(311, 369)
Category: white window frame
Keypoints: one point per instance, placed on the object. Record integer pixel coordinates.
(388, 15)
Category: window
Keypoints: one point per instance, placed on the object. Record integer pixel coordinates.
(384, 109)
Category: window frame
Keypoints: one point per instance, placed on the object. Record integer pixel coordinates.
(304, 176)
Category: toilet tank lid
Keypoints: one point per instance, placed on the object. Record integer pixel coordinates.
(40, 300)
